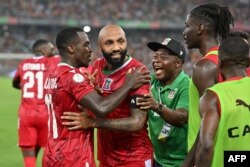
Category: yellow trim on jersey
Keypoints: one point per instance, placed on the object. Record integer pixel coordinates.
(212, 52)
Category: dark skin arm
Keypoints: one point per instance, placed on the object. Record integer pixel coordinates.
(16, 82)
(101, 106)
(205, 75)
(209, 126)
(133, 123)
(176, 117)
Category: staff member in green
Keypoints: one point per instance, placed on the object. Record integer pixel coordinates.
(168, 104)
(225, 107)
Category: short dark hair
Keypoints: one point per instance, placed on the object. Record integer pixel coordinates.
(234, 50)
(218, 17)
(242, 34)
(39, 43)
(67, 36)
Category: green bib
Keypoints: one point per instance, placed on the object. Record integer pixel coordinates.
(233, 132)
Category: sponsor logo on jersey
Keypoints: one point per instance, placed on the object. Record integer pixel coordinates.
(78, 78)
(107, 84)
(240, 102)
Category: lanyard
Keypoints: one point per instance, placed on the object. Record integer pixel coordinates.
(159, 95)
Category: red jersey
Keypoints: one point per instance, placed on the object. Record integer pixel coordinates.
(64, 88)
(32, 114)
(31, 73)
(84, 69)
(52, 62)
(120, 147)
(212, 55)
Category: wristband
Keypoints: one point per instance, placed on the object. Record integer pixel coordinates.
(159, 109)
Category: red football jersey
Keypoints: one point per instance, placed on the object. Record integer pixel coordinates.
(52, 62)
(32, 114)
(118, 147)
(31, 72)
(64, 89)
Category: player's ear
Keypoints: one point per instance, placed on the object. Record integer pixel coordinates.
(179, 62)
(70, 48)
(201, 28)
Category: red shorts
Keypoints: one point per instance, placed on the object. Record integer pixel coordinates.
(33, 127)
(147, 163)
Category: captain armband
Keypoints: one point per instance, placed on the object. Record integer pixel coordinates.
(134, 101)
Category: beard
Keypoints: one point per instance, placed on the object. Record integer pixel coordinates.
(115, 62)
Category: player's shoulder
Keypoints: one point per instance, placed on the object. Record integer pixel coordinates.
(32, 60)
(56, 58)
(99, 63)
(99, 60)
(65, 67)
(71, 74)
(133, 62)
(206, 63)
(136, 63)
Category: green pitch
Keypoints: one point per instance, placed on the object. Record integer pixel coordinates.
(10, 154)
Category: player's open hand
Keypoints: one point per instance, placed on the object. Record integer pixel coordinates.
(76, 121)
(137, 77)
(147, 102)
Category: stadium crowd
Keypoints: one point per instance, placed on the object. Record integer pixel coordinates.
(19, 38)
(98, 10)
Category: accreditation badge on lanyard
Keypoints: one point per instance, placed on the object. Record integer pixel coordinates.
(164, 133)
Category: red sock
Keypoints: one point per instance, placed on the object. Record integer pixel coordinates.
(29, 161)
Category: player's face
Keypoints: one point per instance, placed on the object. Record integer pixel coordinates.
(165, 65)
(114, 47)
(49, 50)
(82, 54)
(190, 32)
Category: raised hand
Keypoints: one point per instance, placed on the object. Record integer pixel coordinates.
(76, 121)
(136, 77)
(92, 79)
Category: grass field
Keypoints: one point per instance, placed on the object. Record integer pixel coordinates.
(10, 155)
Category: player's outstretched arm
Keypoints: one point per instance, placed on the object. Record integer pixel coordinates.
(176, 117)
(100, 106)
(76, 121)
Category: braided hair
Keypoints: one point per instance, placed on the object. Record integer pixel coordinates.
(219, 18)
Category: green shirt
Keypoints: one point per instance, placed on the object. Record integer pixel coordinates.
(233, 132)
(171, 151)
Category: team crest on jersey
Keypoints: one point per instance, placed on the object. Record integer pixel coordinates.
(172, 93)
(78, 78)
(107, 84)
